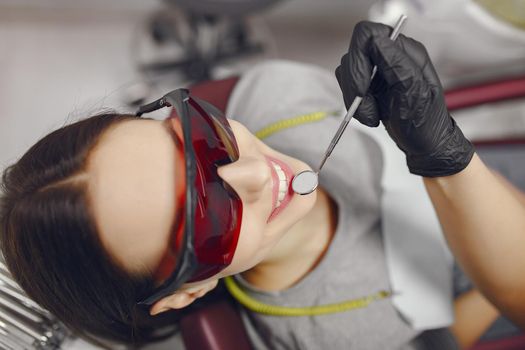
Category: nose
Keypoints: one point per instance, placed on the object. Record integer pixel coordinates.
(250, 177)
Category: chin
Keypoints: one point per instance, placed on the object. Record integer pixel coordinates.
(303, 204)
(298, 208)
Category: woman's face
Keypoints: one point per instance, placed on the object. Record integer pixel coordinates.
(132, 181)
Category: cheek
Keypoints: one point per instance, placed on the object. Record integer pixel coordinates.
(258, 238)
(254, 242)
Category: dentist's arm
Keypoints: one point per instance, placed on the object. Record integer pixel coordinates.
(482, 215)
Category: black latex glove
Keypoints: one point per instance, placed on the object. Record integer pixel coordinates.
(406, 95)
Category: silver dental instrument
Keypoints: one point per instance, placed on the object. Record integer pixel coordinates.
(24, 324)
(306, 181)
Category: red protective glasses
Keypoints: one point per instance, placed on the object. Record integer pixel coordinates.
(206, 229)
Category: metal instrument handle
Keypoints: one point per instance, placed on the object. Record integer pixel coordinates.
(357, 100)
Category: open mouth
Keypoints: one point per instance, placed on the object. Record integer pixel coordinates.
(282, 193)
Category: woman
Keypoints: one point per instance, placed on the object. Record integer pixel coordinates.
(100, 221)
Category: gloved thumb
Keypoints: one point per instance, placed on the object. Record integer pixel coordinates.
(368, 111)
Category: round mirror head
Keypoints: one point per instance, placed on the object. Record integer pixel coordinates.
(305, 182)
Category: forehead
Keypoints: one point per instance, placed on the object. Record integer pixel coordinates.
(132, 191)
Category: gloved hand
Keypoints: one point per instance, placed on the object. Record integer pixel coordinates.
(406, 96)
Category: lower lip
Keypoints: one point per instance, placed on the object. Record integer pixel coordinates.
(288, 172)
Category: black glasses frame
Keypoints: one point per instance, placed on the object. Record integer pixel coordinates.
(187, 261)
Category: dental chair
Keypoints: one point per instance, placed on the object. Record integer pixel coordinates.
(219, 326)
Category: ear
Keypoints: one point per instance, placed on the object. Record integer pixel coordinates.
(177, 300)
(183, 297)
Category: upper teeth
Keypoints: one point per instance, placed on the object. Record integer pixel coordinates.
(282, 183)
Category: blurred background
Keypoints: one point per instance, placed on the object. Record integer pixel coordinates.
(62, 60)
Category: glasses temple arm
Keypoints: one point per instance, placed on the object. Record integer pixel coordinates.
(153, 106)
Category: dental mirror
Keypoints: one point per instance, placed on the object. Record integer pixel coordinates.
(306, 181)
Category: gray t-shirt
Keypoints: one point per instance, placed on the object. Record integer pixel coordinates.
(354, 265)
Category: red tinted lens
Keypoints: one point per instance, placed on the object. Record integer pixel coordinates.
(218, 209)
(169, 260)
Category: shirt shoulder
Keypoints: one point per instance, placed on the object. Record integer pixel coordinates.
(277, 89)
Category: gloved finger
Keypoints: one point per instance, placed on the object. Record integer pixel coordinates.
(358, 63)
(394, 64)
(378, 86)
(346, 81)
(418, 53)
(368, 112)
(345, 87)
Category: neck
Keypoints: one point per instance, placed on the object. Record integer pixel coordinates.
(300, 250)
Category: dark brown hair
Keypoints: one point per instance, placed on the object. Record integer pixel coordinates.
(51, 246)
